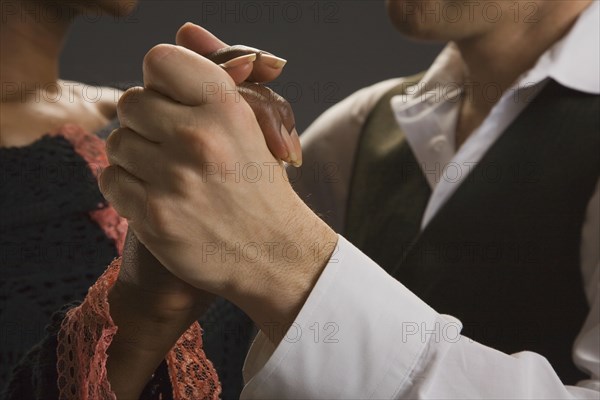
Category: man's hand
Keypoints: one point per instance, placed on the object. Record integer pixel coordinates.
(193, 174)
(140, 271)
(151, 306)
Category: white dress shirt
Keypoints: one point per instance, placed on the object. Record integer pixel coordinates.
(361, 334)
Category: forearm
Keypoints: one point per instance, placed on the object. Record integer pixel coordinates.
(143, 339)
(151, 309)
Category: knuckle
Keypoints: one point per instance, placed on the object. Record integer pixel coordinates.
(131, 96)
(112, 144)
(156, 217)
(266, 116)
(210, 146)
(181, 179)
(134, 169)
(202, 143)
(106, 182)
(286, 112)
(282, 103)
(188, 135)
(155, 55)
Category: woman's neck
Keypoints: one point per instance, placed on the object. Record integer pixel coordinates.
(34, 100)
(32, 37)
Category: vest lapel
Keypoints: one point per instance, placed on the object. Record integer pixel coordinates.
(381, 220)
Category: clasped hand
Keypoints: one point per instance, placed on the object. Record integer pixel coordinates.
(195, 169)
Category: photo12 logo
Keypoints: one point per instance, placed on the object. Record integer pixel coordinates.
(469, 11)
(317, 12)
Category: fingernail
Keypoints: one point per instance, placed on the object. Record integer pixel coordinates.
(298, 148)
(294, 160)
(241, 60)
(272, 61)
(287, 139)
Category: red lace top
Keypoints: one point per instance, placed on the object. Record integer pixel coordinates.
(87, 330)
(86, 334)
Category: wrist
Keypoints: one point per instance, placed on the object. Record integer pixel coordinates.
(152, 306)
(152, 290)
(144, 336)
(151, 309)
(273, 292)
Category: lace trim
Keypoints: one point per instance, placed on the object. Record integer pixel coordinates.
(192, 374)
(87, 332)
(112, 224)
(83, 338)
(93, 150)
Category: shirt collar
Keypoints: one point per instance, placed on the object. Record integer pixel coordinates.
(429, 108)
(574, 62)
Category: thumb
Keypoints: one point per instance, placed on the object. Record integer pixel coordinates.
(198, 39)
(201, 41)
(265, 68)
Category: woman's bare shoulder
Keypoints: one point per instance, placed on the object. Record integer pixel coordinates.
(102, 98)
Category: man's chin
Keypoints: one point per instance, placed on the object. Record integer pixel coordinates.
(118, 8)
(417, 31)
(409, 23)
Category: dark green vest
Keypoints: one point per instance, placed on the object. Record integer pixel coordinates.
(503, 253)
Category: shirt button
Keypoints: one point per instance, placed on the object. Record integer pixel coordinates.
(438, 144)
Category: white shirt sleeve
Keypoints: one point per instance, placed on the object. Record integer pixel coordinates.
(363, 335)
(347, 342)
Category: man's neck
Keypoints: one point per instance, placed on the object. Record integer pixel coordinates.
(30, 44)
(498, 58)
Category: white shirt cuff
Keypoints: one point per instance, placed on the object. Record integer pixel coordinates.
(359, 335)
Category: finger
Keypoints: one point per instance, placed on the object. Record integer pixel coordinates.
(201, 41)
(150, 114)
(185, 76)
(276, 119)
(125, 192)
(198, 39)
(135, 154)
(267, 67)
(239, 68)
(270, 124)
(289, 123)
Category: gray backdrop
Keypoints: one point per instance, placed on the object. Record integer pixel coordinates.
(333, 47)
